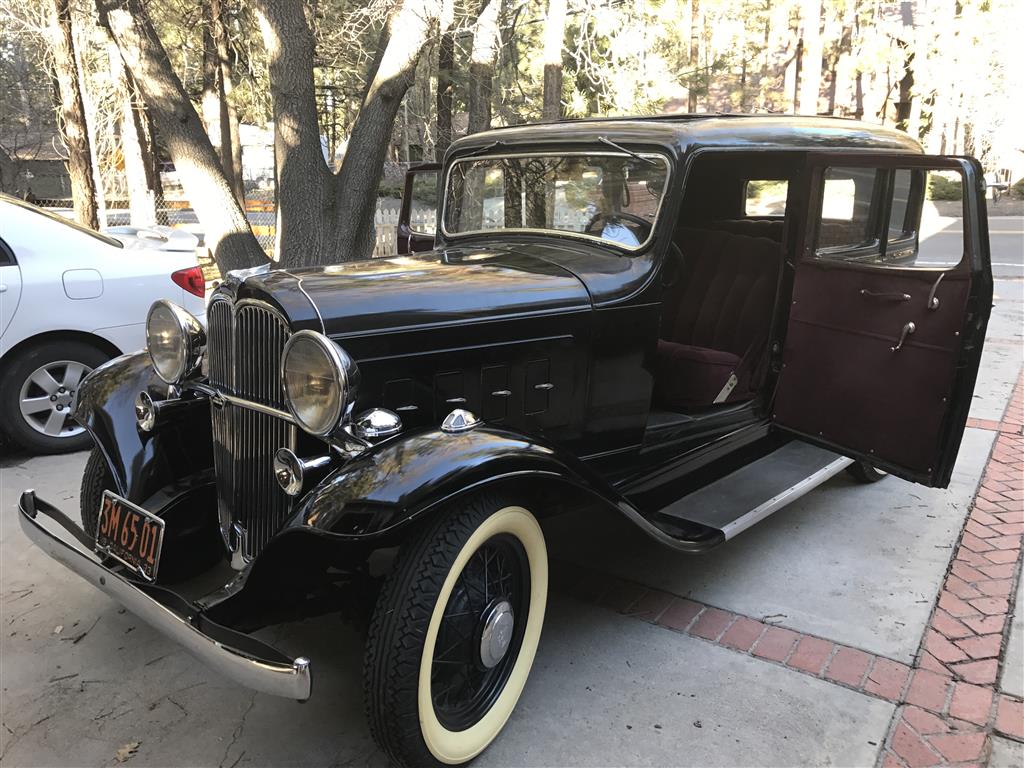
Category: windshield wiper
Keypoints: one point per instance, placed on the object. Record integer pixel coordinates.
(630, 152)
(485, 148)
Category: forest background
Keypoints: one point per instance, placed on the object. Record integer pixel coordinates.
(282, 124)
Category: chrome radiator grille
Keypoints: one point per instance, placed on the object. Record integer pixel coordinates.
(244, 346)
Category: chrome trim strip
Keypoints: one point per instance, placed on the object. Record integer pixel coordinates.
(258, 407)
(791, 494)
(293, 681)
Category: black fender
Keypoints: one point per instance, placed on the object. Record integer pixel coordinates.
(143, 464)
(383, 490)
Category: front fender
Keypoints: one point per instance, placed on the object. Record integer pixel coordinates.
(405, 478)
(142, 463)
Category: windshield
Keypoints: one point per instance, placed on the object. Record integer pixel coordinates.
(609, 196)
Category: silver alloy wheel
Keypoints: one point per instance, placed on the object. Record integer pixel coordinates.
(47, 398)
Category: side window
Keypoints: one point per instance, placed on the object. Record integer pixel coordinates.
(888, 217)
(423, 210)
(765, 197)
(846, 212)
(6, 255)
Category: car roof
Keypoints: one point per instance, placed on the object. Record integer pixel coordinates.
(683, 132)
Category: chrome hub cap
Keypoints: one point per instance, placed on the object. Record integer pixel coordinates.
(47, 398)
(496, 637)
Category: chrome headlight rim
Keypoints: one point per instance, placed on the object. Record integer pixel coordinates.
(343, 370)
(192, 338)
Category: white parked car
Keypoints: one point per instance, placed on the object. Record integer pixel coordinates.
(71, 299)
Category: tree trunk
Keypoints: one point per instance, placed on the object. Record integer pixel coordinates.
(141, 198)
(554, 38)
(8, 173)
(445, 85)
(304, 196)
(89, 111)
(412, 26)
(906, 86)
(693, 58)
(481, 67)
(218, 112)
(810, 61)
(72, 115)
(227, 230)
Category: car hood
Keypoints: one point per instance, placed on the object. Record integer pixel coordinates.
(447, 286)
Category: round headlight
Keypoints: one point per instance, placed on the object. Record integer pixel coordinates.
(175, 340)
(319, 381)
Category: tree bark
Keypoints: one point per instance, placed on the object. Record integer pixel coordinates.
(218, 111)
(141, 197)
(226, 228)
(8, 173)
(810, 61)
(481, 67)
(554, 39)
(693, 60)
(412, 26)
(304, 193)
(72, 115)
(445, 84)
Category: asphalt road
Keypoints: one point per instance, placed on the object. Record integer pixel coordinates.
(1006, 237)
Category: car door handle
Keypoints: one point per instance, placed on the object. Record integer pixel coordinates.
(884, 296)
(3, 288)
(908, 329)
(933, 300)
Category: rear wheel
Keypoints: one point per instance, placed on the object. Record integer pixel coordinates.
(863, 472)
(38, 393)
(454, 633)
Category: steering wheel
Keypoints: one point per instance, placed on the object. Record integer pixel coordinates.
(643, 226)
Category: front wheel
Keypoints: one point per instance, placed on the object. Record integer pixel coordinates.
(454, 633)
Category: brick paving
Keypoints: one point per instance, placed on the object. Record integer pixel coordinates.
(948, 702)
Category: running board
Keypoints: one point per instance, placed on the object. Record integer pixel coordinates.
(737, 501)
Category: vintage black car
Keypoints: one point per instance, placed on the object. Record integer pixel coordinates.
(689, 321)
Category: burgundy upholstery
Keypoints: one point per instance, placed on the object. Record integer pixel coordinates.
(691, 377)
(769, 228)
(717, 317)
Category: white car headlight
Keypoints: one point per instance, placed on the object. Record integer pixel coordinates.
(175, 340)
(319, 381)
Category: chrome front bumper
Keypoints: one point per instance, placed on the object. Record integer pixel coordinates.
(259, 667)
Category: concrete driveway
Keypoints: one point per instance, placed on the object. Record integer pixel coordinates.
(827, 635)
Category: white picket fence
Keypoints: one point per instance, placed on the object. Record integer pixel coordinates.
(385, 222)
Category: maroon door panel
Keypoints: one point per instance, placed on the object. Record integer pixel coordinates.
(881, 353)
(862, 395)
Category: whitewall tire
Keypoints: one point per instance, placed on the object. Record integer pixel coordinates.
(455, 632)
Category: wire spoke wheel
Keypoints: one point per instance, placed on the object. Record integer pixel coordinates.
(454, 633)
(479, 637)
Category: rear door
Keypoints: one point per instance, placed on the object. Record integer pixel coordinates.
(891, 297)
(417, 221)
(10, 286)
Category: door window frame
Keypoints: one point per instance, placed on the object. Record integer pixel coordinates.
(969, 169)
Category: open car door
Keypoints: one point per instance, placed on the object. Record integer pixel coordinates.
(417, 221)
(889, 309)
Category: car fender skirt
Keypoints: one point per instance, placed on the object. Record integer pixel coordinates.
(404, 478)
(237, 656)
(142, 463)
